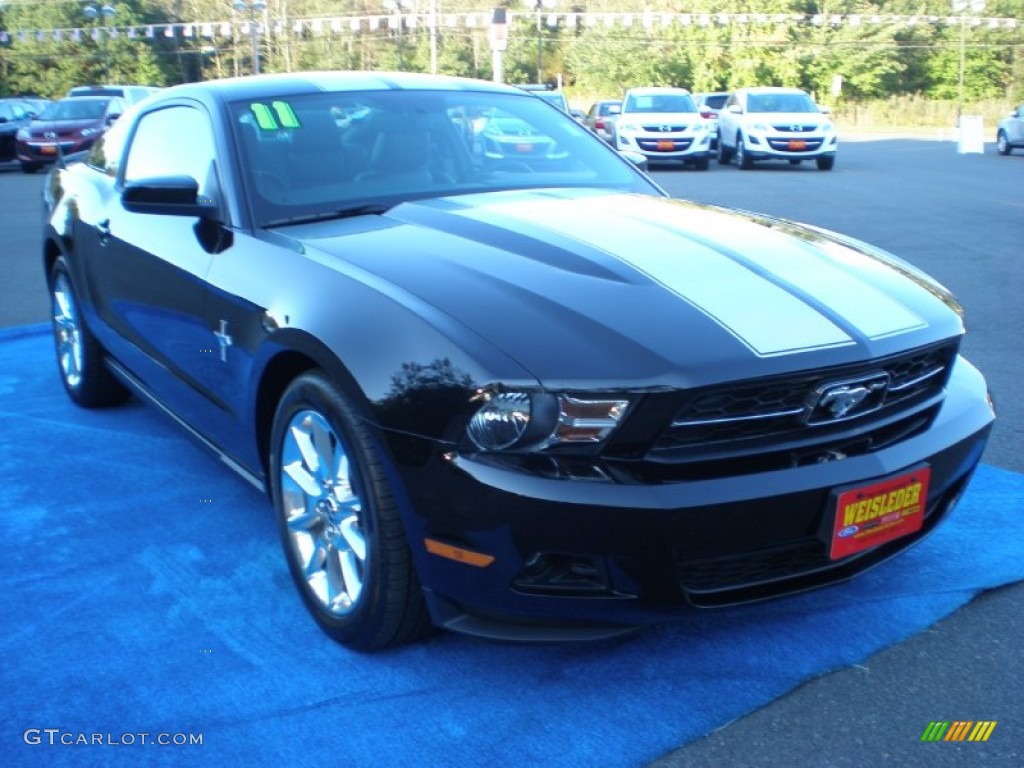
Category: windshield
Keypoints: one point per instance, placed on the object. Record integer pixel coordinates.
(317, 154)
(75, 109)
(660, 102)
(780, 102)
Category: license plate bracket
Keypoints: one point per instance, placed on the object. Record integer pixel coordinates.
(870, 514)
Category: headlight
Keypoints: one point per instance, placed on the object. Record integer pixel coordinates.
(534, 421)
(87, 132)
(760, 127)
(626, 128)
(502, 421)
(827, 128)
(23, 134)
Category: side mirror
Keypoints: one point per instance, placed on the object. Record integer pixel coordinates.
(824, 110)
(167, 196)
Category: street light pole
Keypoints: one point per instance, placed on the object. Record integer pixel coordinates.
(399, 8)
(538, 6)
(252, 8)
(106, 11)
(962, 7)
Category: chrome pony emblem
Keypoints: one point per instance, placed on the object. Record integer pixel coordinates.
(845, 399)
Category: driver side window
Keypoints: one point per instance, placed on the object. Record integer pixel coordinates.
(173, 141)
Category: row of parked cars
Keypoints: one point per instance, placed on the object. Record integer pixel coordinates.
(749, 124)
(35, 132)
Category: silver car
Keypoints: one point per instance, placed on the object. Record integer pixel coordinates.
(1010, 134)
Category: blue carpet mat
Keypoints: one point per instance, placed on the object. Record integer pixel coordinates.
(145, 592)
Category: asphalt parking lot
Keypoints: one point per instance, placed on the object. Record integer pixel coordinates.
(960, 218)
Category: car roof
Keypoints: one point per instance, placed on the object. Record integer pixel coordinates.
(293, 83)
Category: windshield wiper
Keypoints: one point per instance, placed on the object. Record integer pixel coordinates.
(368, 209)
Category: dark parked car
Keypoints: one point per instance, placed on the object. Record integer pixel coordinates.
(530, 398)
(15, 114)
(66, 126)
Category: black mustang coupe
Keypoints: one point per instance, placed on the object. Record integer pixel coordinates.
(518, 394)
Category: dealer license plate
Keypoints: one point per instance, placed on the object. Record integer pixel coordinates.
(797, 144)
(869, 515)
(666, 145)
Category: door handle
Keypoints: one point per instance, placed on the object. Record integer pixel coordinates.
(103, 228)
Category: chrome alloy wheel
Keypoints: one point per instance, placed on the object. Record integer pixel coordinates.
(322, 512)
(68, 331)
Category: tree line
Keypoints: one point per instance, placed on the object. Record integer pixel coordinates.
(843, 51)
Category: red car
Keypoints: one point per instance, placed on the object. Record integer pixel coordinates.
(65, 127)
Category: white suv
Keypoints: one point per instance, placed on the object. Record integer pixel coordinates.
(775, 124)
(663, 124)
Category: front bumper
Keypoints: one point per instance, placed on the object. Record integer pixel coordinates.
(44, 152)
(661, 147)
(582, 556)
(782, 146)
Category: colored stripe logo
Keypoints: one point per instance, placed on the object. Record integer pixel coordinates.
(959, 730)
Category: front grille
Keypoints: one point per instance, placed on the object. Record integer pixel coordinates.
(795, 128)
(779, 422)
(663, 128)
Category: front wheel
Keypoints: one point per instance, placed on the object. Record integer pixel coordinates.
(701, 163)
(1002, 144)
(743, 159)
(724, 153)
(343, 539)
(79, 356)
(29, 167)
(825, 162)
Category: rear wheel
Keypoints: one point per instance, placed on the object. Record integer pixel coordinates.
(339, 523)
(825, 162)
(79, 356)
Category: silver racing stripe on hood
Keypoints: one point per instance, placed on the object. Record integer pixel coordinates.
(775, 293)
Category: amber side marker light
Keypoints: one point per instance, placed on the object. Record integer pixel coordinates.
(459, 554)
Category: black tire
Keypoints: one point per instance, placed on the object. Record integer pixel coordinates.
(825, 162)
(743, 159)
(341, 531)
(702, 163)
(29, 167)
(724, 153)
(1002, 144)
(80, 357)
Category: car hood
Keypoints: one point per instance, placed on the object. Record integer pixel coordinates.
(658, 118)
(585, 287)
(788, 118)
